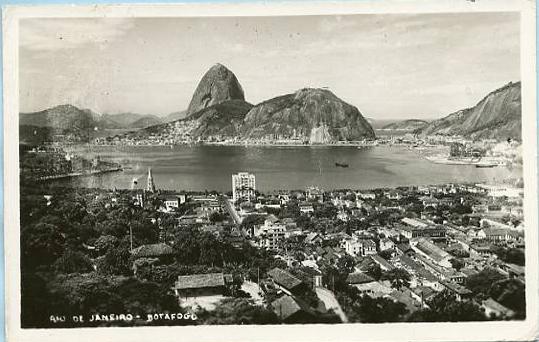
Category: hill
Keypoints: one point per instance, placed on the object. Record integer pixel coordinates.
(311, 114)
(223, 119)
(406, 125)
(217, 85)
(174, 116)
(145, 121)
(68, 117)
(133, 120)
(497, 116)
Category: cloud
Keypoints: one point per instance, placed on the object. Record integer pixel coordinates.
(57, 34)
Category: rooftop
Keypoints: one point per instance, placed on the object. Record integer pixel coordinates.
(432, 250)
(284, 278)
(287, 306)
(359, 278)
(196, 281)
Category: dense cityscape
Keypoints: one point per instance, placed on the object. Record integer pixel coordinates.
(150, 256)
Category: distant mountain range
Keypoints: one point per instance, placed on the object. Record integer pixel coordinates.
(133, 120)
(68, 119)
(406, 125)
(218, 109)
(497, 116)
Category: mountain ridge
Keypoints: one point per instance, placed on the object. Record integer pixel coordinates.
(498, 115)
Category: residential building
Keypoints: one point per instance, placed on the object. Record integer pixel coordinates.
(383, 263)
(359, 247)
(459, 291)
(201, 285)
(292, 310)
(386, 244)
(271, 233)
(432, 252)
(315, 193)
(243, 186)
(306, 208)
(286, 281)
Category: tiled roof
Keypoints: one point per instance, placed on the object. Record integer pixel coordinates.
(382, 262)
(196, 281)
(284, 278)
(286, 306)
(454, 287)
(358, 278)
(417, 268)
(272, 218)
(432, 250)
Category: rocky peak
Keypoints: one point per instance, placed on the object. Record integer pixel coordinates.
(218, 84)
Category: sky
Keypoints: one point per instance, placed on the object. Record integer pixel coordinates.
(390, 66)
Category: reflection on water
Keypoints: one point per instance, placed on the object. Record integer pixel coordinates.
(211, 167)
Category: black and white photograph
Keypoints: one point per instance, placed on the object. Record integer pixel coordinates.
(328, 168)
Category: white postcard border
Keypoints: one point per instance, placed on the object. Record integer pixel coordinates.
(473, 331)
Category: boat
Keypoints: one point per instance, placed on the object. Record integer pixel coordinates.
(485, 165)
(341, 165)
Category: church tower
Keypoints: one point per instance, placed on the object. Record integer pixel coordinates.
(150, 186)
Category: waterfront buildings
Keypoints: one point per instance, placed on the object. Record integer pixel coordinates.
(243, 186)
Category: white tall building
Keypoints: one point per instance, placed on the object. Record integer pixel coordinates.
(243, 186)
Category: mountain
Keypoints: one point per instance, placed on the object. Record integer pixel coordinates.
(145, 121)
(497, 116)
(133, 120)
(406, 125)
(217, 85)
(312, 114)
(175, 116)
(224, 119)
(67, 117)
(379, 123)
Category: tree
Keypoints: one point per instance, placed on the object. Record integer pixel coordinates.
(41, 244)
(237, 311)
(211, 250)
(73, 262)
(512, 294)
(35, 301)
(187, 245)
(346, 264)
(217, 217)
(250, 221)
(377, 310)
(326, 210)
(398, 277)
(117, 261)
(374, 271)
(457, 263)
(481, 282)
(445, 308)
(104, 243)
(387, 254)
(510, 255)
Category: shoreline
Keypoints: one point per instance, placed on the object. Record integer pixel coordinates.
(275, 191)
(78, 175)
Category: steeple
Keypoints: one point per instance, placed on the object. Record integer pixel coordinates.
(150, 186)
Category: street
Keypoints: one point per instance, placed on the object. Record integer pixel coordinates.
(329, 300)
